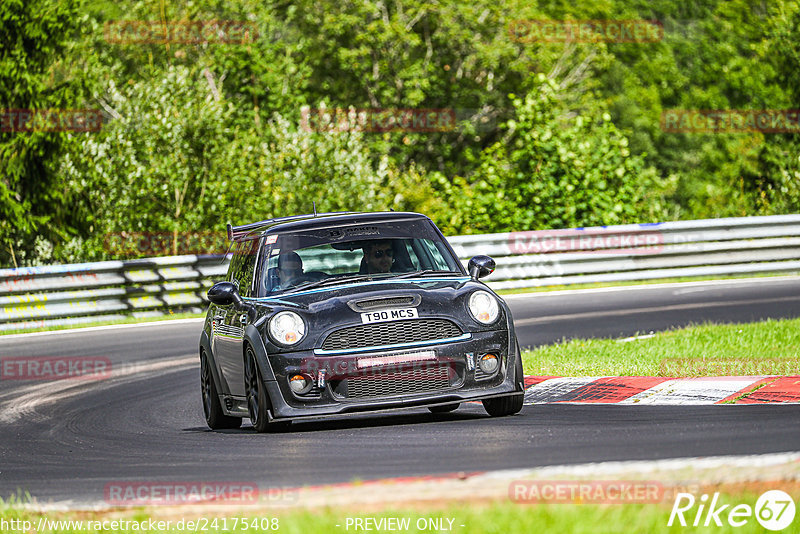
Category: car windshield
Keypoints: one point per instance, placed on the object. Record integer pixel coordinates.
(351, 253)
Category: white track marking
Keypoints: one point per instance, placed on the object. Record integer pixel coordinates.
(693, 390)
(82, 330)
(652, 309)
(640, 287)
(553, 389)
(644, 466)
(680, 473)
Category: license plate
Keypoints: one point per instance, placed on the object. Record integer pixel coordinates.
(396, 359)
(397, 314)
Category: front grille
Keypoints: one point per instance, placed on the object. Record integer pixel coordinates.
(391, 383)
(390, 333)
(314, 393)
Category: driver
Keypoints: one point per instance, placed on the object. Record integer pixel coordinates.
(290, 268)
(378, 256)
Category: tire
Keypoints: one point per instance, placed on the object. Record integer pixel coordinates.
(257, 398)
(444, 408)
(503, 406)
(215, 417)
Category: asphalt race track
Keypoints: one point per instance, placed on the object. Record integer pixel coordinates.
(66, 440)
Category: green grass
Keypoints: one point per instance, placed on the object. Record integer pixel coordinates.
(501, 517)
(129, 320)
(594, 285)
(769, 347)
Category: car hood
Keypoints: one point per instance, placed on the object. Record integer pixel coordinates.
(331, 308)
(318, 299)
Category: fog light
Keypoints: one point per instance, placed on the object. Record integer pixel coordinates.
(299, 384)
(489, 363)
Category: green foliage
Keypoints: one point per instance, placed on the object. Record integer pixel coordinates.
(171, 160)
(555, 169)
(152, 167)
(751, 349)
(34, 75)
(203, 132)
(714, 56)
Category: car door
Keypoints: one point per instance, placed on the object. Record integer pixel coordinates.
(230, 341)
(221, 331)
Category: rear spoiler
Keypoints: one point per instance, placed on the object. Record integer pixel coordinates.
(237, 232)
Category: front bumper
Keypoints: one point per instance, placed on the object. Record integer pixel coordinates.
(437, 373)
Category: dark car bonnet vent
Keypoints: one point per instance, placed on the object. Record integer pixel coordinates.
(384, 302)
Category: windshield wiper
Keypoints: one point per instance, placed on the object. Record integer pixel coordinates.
(325, 281)
(424, 272)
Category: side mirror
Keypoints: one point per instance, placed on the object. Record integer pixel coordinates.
(225, 294)
(480, 266)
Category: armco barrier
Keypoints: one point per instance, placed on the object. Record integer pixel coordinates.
(710, 247)
(78, 293)
(103, 291)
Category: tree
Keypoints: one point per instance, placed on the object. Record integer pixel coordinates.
(174, 158)
(35, 75)
(556, 169)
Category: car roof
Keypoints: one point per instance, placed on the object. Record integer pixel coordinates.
(319, 220)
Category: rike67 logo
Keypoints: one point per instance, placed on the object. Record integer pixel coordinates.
(774, 510)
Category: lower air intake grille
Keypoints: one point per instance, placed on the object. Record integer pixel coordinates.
(391, 333)
(391, 383)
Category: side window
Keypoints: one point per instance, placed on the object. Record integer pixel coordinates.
(248, 267)
(243, 266)
(235, 266)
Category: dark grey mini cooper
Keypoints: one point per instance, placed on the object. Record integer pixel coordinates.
(339, 313)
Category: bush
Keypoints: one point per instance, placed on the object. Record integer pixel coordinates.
(555, 169)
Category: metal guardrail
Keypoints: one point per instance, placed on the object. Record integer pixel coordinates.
(105, 291)
(709, 247)
(111, 290)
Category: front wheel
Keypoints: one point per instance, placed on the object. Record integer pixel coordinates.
(257, 399)
(508, 405)
(215, 417)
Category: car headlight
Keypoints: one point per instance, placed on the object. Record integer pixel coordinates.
(483, 307)
(287, 328)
